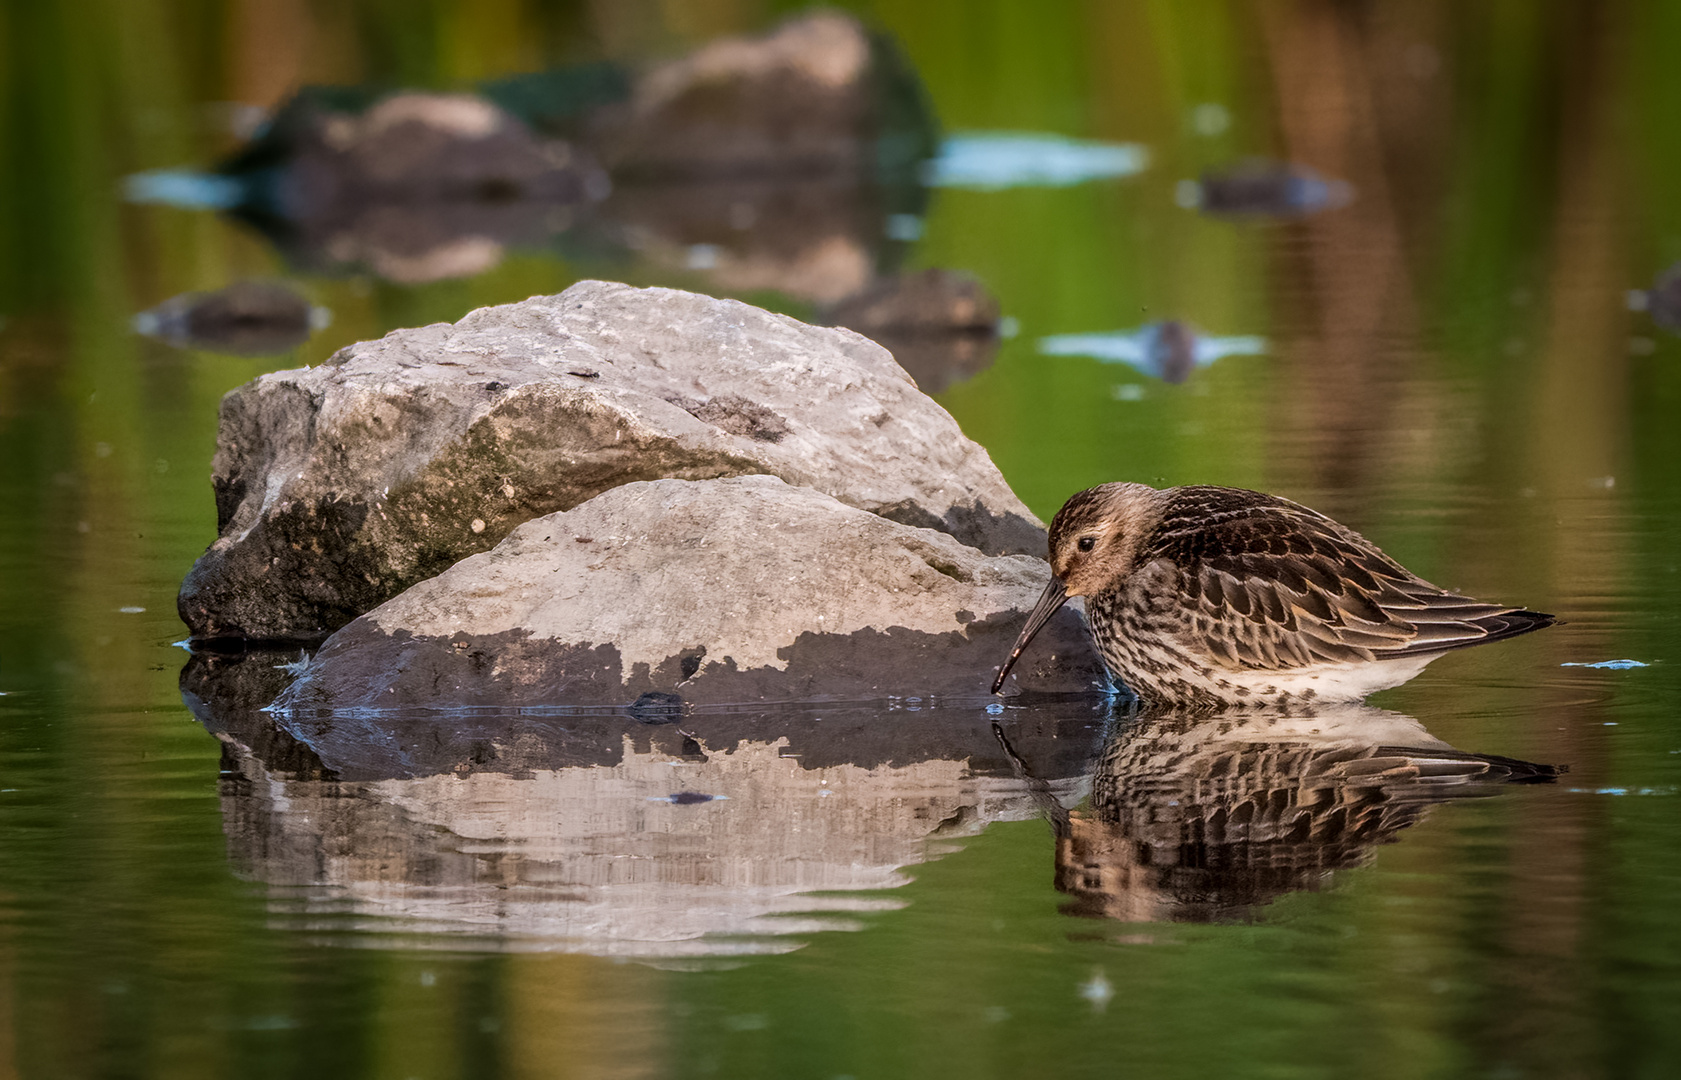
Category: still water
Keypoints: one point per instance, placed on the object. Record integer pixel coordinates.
(1444, 356)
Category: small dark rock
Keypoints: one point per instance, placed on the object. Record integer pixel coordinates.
(657, 707)
(1663, 302)
(249, 318)
(1258, 188)
(1173, 353)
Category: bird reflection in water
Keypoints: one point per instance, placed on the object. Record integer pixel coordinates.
(1207, 817)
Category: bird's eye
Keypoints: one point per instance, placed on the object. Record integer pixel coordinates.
(1087, 543)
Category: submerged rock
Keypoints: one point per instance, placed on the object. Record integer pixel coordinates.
(736, 590)
(229, 693)
(248, 318)
(340, 486)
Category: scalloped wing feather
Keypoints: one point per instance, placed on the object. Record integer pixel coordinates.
(1271, 584)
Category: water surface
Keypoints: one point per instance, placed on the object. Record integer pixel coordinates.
(1451, 367)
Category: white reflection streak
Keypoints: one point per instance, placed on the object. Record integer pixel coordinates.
(995, 160)
(1138, 347)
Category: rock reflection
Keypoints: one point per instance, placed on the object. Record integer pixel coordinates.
(1169, 350)
(812, 238)
(1201, 818)
(727, 833)
(942, 327)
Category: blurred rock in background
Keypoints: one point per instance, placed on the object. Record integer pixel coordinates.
(415, 187)
(248, 318)
(760, 162)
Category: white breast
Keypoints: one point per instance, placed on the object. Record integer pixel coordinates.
(1322, 682)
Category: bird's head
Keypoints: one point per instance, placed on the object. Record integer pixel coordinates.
(1095, 537)
(1094, 545)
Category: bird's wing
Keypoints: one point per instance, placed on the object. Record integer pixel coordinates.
(1271, 584)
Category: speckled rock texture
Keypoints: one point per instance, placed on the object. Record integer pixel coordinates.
(724, 591)
(338, 487)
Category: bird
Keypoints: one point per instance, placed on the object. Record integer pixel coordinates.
(1204, 595)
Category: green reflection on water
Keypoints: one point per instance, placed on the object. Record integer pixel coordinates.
(1452, 373)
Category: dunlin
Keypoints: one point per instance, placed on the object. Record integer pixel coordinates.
(1214, 595)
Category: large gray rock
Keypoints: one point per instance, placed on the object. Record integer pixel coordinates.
(340, 486)
(738, 590)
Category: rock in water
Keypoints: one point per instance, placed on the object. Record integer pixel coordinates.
(247, 318)
(719, 591)
(340, 486)
(816, 95)
(1260, 188)
(415, 187)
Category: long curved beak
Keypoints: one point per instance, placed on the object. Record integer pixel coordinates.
(1049, 601)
